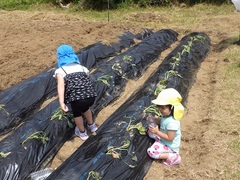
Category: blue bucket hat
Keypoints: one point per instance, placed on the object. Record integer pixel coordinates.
(66, 55)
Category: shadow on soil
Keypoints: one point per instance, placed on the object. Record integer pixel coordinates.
(225, 43)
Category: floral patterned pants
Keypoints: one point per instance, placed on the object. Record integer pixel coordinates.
(157, 147)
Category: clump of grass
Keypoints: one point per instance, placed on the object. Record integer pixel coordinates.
(235, 145)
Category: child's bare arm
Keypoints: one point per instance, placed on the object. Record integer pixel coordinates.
(169, 136)
(60, 87)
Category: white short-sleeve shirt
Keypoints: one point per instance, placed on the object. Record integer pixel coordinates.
(70, 68)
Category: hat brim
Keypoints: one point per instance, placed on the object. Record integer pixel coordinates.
(65, 60)
(160, 102)
(178, 109)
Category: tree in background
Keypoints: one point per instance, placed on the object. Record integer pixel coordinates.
(104, 4)
(114, 4)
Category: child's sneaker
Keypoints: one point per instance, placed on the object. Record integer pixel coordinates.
(173, 159)
(83, 135)
(92, 127)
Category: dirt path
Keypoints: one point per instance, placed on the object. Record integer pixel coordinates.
(28, 41)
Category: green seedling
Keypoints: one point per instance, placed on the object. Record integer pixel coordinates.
(152, 109)
(60, 114)
(141, 129)
(160, 86)
(177, 60)
(190, 43)
(172, 73)
(199, 38)
(105, 79)
(128, 59)
(139, 126)
(117, 67)
(116, 152)
(2, 108)
(37, 135)
(94, 175)
(4, 155)
(186, 48)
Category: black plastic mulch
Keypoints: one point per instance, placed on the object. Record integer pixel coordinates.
(130, 64)
(34, 154)
(19, 102)
(98, 53)
(91, 156)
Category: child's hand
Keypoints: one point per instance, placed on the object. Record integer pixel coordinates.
(148, 118)
(64, 107)
(153, 129)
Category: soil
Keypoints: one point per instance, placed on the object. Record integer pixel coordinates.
(28, 42)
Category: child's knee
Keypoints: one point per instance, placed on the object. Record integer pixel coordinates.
(153, 152)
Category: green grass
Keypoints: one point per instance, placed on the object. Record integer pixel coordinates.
(178, 16)
(165, 15)
(231, 86)
(233, 70)
(235, 145)
(19, 4)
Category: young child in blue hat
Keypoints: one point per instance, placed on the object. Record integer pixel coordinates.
(75, 87)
